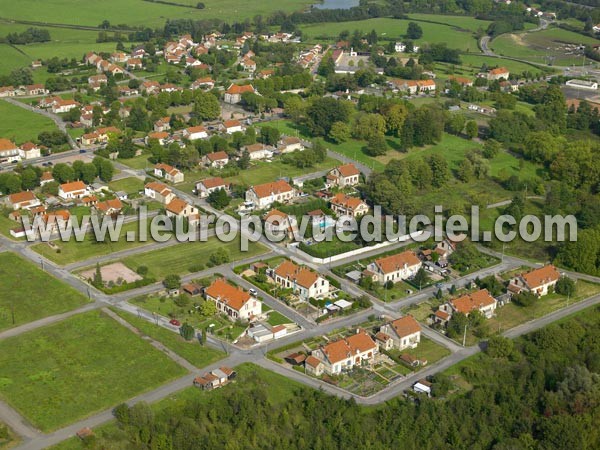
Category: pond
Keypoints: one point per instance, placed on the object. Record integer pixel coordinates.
(337, 4)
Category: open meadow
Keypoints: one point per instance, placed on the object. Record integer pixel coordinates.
(20, 125)
(67, 371)
(27, 293)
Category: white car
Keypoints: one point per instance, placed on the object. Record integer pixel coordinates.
(253, 292)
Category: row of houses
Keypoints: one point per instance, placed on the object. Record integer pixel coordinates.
(10, 152)
(23, 90)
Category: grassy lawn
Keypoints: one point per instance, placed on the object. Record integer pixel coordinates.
(130, 185)
(511, 315)
(190, 350)
(31, 293)
(276, 318)
(73, 251)
(138, 162)
(179, 259)
(11, 59)
(70, 370)
(395, 29)
(429, 350)
(133, 12)
(537, 46)
(20, 125)
(8, 439)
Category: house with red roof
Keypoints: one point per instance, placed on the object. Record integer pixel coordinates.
(216, 160)
(205, 187)
(179, 208)
(234, 302)
(498, 73)
(343, 176)
(73, 190)
(23, 200)
(264, 195)
(159, 192)
(344, 354)
(169, 173)
(480, 300)
(29, 150)
(304, 282)
(403, 333)
(195, 133)
(234, 93)
(394, 268)
(537, 281)
(233, 126)
(344, 205)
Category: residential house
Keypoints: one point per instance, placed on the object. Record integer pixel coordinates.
(480, 301)
(258, 151)
(8, 91)
(23, 200)
(203, 83)
(266, 73)
(35, 89)
(264, 195)
(110, 207)
(195, 133)
(118, 57)
(303, 281)
(134, 63)
(46, 178)
(234, 93)
(344, 354)
(248, 64)
(162, 124)
(183, 210)
(537, 281)
(63, 106)
(205, 187)
(150, 87)
(233, 126)
(215, 379)
(233, 301)
(159, 192)
(344, 205)
(289, 144)
(160, 136)
(97, 81)
(29, 151)
(394, 268)
(169, 173)
(73, 190)
(8, 150)
(404, 333)
(498, 73)
(343, 176)
(463, 81)
(414, 86)
(216, 159)
(278, 223)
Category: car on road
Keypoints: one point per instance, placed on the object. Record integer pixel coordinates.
(175, 322)
(82, 151)
(50, 163)
(253, 292)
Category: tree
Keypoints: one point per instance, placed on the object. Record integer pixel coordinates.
(421, 278)
(340, 132)
(29, 179)
(414, 31)
(97, 281)
(219, 256)
(499, 347)
(565, 286)
(219, 199)
(206, 106)
(187, 331)
(63, 173)
(394, 115)
(172, 281)
(208, 308)
(439, 170)
(377, 145)
(88, 173)
(270, 135)
(491, 148)
(472, 129)
(524, 299)
(324, 112)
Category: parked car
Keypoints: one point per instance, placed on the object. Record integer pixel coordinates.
(253, 292)
(175, 322)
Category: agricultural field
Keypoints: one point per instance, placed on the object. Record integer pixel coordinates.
(472, 63)
(539, 46)
(11, 59)
(189, 350)
(130, 185)
(393, 29)
(41, 296)
(189, 257)
(65, 372)
(72, 251)
(140, 13)
(20, 125)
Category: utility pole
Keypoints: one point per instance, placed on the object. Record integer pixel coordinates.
(465, 337)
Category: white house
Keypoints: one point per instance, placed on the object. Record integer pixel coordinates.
(205, 187)
(394, 268)
(169, 173)
(29, 151)
(344, 205)
(258, 151)
(303, 281)
(233, 126)
(73, 190)
(181, 209)
(342, 355)
(195, 133)
(264, 195)
(342, 176)
(538, 281)
(23, 200)
(232, 301)
(404, 333)
(159, 192)
(480, 301)
(216, 160)
(289, 144)
(234, 93)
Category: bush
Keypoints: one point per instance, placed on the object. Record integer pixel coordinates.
(142, 270)
(524, 299)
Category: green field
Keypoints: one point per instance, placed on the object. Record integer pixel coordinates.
(179, 259)
(537, 46)
(137, 12)
(72, 251)
(31, 293)
(11, 59)
(70, 370)
(393, 29)
(20, 125)
(471, 65)
(189, 350)
(130, 185)
(464, 22)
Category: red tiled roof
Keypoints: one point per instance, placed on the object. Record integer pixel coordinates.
(396, 262)
(276, 187)
(235, 297)
(405, 326)
(538, 277)
(470, 302)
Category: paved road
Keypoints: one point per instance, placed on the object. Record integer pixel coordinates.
(485, 41)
